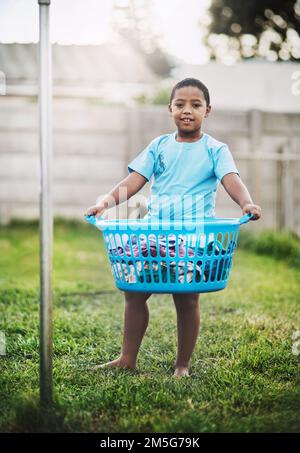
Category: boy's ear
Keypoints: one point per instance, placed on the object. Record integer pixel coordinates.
(208, 110)
(169, 108)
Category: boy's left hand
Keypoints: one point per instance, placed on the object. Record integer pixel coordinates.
(253, 209)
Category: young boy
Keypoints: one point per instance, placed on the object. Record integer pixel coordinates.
(187, 165)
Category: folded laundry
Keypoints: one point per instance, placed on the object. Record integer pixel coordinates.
(188, 270)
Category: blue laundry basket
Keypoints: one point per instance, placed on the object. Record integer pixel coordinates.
(170, 257)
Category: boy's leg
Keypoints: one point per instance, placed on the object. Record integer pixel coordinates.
(136, 317)
(188, 322)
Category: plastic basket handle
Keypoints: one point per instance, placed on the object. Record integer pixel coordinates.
(93, 220)
(96, 220)
(245, 218)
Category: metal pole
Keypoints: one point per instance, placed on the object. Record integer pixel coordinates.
(46, 218)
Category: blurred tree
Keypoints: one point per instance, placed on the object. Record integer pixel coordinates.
(268, 29)
(133, 20)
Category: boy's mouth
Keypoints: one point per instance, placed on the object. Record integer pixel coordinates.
(186, 120)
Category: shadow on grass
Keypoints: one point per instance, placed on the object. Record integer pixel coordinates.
(32, 417)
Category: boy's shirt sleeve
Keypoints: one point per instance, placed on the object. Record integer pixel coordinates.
(224, 163)
(144, 162)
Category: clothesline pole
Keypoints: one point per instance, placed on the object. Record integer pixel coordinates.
(46, 218)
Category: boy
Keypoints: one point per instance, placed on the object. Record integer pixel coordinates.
(187, 165)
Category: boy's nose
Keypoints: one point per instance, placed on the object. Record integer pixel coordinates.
(187, 109)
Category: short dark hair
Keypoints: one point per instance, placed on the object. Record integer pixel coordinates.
(190, 82)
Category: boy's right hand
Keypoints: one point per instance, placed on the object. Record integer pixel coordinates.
(97, 210)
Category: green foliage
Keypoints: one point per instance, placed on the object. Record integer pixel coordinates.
(161, 97)
(280, 245)
(244, 377)
(142, 99)
(267, 29)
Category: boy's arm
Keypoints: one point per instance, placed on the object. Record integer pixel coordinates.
(120, 193)
(239, 193)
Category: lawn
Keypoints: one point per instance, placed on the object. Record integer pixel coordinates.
(244, 376)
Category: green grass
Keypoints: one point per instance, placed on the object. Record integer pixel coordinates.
(244, 376)
(281, 245)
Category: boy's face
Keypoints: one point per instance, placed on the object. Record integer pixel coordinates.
(188, 109)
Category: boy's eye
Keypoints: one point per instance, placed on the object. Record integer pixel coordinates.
(194, 105)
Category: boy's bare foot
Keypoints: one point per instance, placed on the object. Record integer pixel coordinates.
(181, 371)
(118, 363)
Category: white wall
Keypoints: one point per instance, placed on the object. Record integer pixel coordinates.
(93, 145)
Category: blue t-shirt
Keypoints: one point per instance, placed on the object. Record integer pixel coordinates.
(186, 175)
